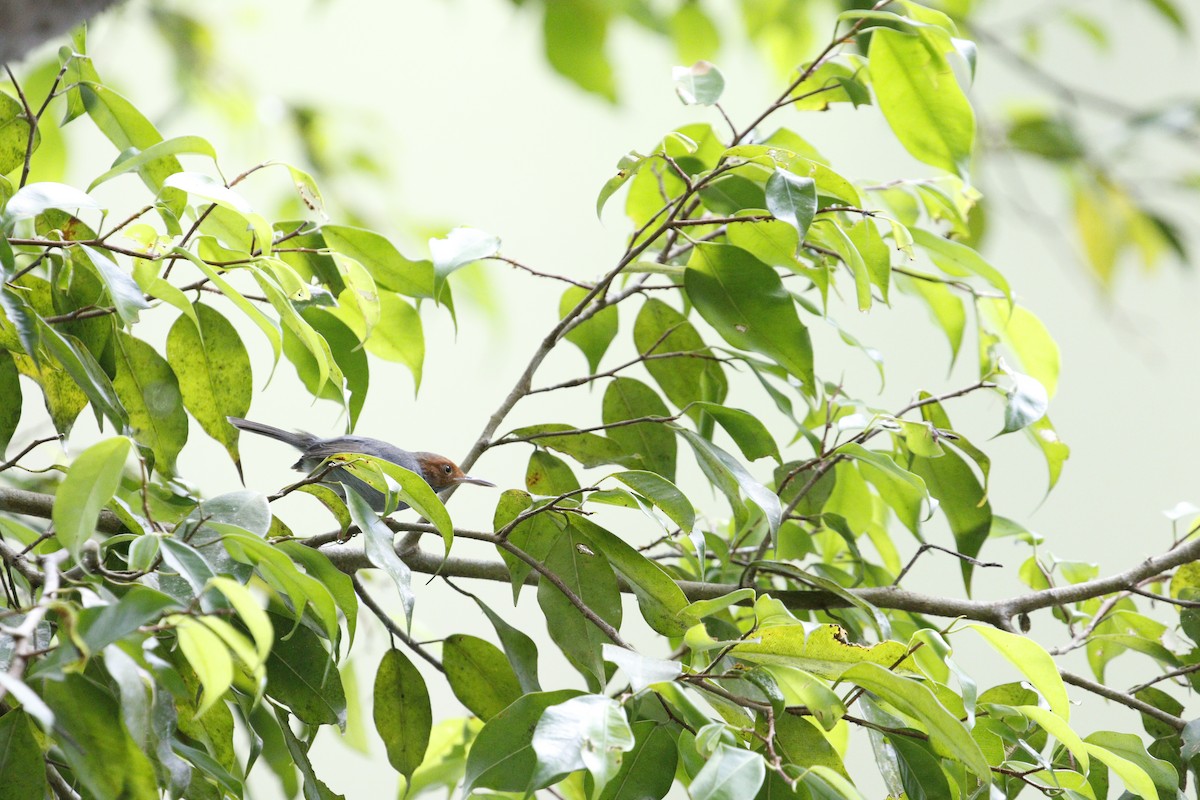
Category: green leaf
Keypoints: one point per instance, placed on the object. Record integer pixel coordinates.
(746, 302)
(150, 391)
(952, 482)
(250, 612)
(700, 84)
(381, 550)
(920, 770)
(733, 480)
(661, 330)
(213, 368)
(946, 733)
(403, 715)
(593, 335)
(575, 560)
(479, 675)
(659, 597)
(648, 770)
(548, 475)
(589, 449)
(642, 671)
(574, 32)
(822, 650)
(314, 787)
(1055, 450)
(91, 482)
(94, 742)
(502, 757)
(10, 388)
(34, 198)
(627, 167)
(589, 732)
(649, 444)
(792, 199)
(14, 134)
(801, 742)
(205, 187)
(87, 374)
(747, 431)
(124, 292)
(134, 159)
(521, 650)
(731, 773)
(321, 569)
(418, 494)
(1136, 780)
(1035, 664)
(1057, 727)
(947, 308)
(961, 261)
(462, 246)
(302, 676)
(662, 493)
(1025, 403)
(919, 96)
(22, 771)
(1027, 338)
(387, 266)
(208, 656)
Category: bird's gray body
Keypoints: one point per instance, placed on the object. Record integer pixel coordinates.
(315, 449)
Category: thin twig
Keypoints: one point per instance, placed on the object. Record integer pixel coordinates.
(927, 547)
(392, 627)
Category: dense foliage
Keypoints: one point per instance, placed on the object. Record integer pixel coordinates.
(144, 623)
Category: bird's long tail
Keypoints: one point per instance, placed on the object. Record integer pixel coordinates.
(297, 439)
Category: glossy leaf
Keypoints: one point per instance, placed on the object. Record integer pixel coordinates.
(745, 301)
(462, 246)
(589, 732)
(648, 770)
(148, 388)
(380, 549)
(731, 773)
(700, 84)
(502, 757)
(792, 198)
(663, 494)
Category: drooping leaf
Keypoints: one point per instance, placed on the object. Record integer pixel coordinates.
(502, 757)
(10, 388)
(213, 369)
(150, 391)
(462, 246)
(593, 335)
(792, 198)
(730, 773)
(589, 732)
(403, 716)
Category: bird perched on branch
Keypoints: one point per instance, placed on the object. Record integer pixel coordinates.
(439, 472)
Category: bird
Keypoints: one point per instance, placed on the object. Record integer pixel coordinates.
(439, 472)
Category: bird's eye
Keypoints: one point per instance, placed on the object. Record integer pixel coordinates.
(447, 469)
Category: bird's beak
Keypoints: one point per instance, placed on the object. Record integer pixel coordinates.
(476, 481)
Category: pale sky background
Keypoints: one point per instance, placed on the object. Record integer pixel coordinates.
(481, 133)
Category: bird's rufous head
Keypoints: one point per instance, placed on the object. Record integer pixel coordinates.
(441, 473)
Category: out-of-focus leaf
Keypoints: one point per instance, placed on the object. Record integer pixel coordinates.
(207, 188)
(21, 767)
(700, 84)
(34, 198)
(133, 159)
(10, 388)
(919, 96)
(574, 32)
(462, 246)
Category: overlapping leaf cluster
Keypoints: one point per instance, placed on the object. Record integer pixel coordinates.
(145, 625)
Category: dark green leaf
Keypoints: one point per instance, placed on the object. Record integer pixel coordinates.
(586, 572)
(380, 549)
(693, 375)
(22, 771)
(387, 266)
(746, 302)
(403, 715)
(747, 431)
(213, 368)
(521, 650)
(662, 493)
(792, 198)
(150, 392)
(648, 770)
(548, 475)
(479, 675)
(10, 389)
(951, 481)
(302, 676)
(650, 445)
(733, 480)
(502, 756)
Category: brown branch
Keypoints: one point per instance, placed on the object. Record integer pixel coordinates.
(392, 627)
(653, 418)
(12, 462)
(1123, 698)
